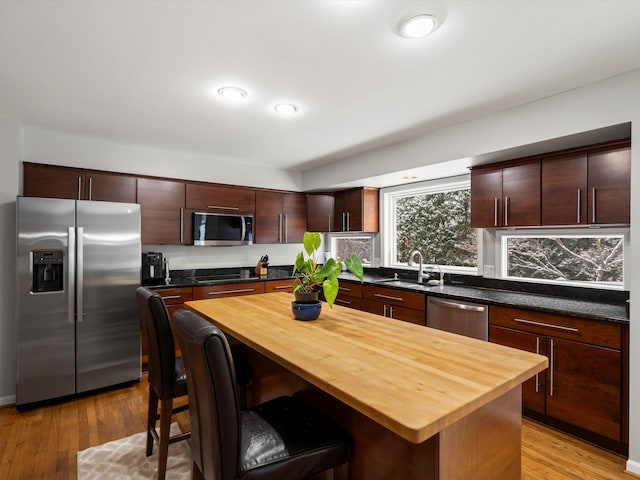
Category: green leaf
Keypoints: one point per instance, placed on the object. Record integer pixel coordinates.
(297, 266)
(330, 289)
(355, 266)
(311, 242)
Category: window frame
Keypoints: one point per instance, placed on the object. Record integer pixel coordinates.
(501, 252)
(332, 236)
(388, 197)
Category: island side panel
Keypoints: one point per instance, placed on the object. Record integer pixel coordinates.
(485, 444)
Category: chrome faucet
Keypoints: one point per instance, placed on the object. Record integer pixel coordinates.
(421, 275)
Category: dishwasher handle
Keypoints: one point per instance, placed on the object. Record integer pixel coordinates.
(458, 306)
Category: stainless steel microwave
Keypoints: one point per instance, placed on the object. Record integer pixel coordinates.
(222, 229)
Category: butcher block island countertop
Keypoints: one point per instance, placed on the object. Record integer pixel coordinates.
(414, 381)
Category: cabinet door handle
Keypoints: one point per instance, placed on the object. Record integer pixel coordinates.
(79, 188)
(219, 207)
(593, 205)
(344, 217)
(286, 229)
(222, 292)
(170, 297)
(546, 325)
(384, 310)
(456, 305)
(506, 211)
(537, 374)
(388, 297)
(390, 311)
(280, 228)
(348, 221)
(495, 211)
(181, 224)
(579, 201)
(283, 287)
(346, 302)
(90, 187)
(346, 289)
(553, 366)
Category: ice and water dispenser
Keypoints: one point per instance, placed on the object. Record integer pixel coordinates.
(47, 271)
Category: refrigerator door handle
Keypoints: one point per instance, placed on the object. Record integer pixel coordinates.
(71, 268)
(79, 275)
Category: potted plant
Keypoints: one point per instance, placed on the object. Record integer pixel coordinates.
(313, 276)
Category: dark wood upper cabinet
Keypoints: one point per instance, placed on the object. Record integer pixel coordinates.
(356, 210)
(280, 217)
(486, 198)
(109, 187)
(162, 210)
(564, 189)
(581, 186)
(609, 179)
(320, 212)
(51, 181)
(48, 181)
(221, 199)
(506, 196)
(587, 187)
(521, 193)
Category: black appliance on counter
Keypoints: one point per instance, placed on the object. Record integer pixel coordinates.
(152, 273)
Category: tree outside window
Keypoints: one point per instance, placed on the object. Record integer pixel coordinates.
(576, 259)
(439, 226)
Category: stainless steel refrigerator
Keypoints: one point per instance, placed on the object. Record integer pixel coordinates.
(78, 266)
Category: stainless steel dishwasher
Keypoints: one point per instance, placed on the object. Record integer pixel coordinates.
(463, 318)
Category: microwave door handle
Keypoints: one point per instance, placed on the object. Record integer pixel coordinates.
(244, 228)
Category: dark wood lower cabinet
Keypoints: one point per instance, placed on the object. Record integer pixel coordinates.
(534, 389)
(584, 390)
(584, 386)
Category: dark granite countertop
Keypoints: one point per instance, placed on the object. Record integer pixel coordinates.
(612, 311)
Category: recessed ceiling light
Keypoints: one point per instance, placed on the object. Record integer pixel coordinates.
(419, 26)
(286, 108)
(409, 177)
(232, 93)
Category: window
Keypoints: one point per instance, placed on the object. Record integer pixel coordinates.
(574, 258)
(433, 218)
(345, 246)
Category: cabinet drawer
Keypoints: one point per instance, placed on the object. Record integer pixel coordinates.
(391, 296)
(560, 326)
(350, 289)
(228, 290)
(175, 296)
(279, 285)
(220, 198)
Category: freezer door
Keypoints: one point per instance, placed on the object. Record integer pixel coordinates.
(45, 305)
(108, 322)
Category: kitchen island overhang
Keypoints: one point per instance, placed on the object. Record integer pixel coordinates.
(417, 383)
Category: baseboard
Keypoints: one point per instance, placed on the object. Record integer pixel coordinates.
(8, 400)
(633, 467)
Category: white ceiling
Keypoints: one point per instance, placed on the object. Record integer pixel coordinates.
(146, 72)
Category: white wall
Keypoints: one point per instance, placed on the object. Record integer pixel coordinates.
(599, 105)
(9, 161)
(42, 145)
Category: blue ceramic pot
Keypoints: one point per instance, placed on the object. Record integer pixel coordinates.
(306, 310)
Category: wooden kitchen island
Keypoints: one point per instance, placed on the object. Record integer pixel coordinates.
(418, 403)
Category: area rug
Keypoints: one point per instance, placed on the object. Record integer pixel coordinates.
(125, 459)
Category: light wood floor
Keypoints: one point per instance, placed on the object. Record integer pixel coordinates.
(42, 443)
